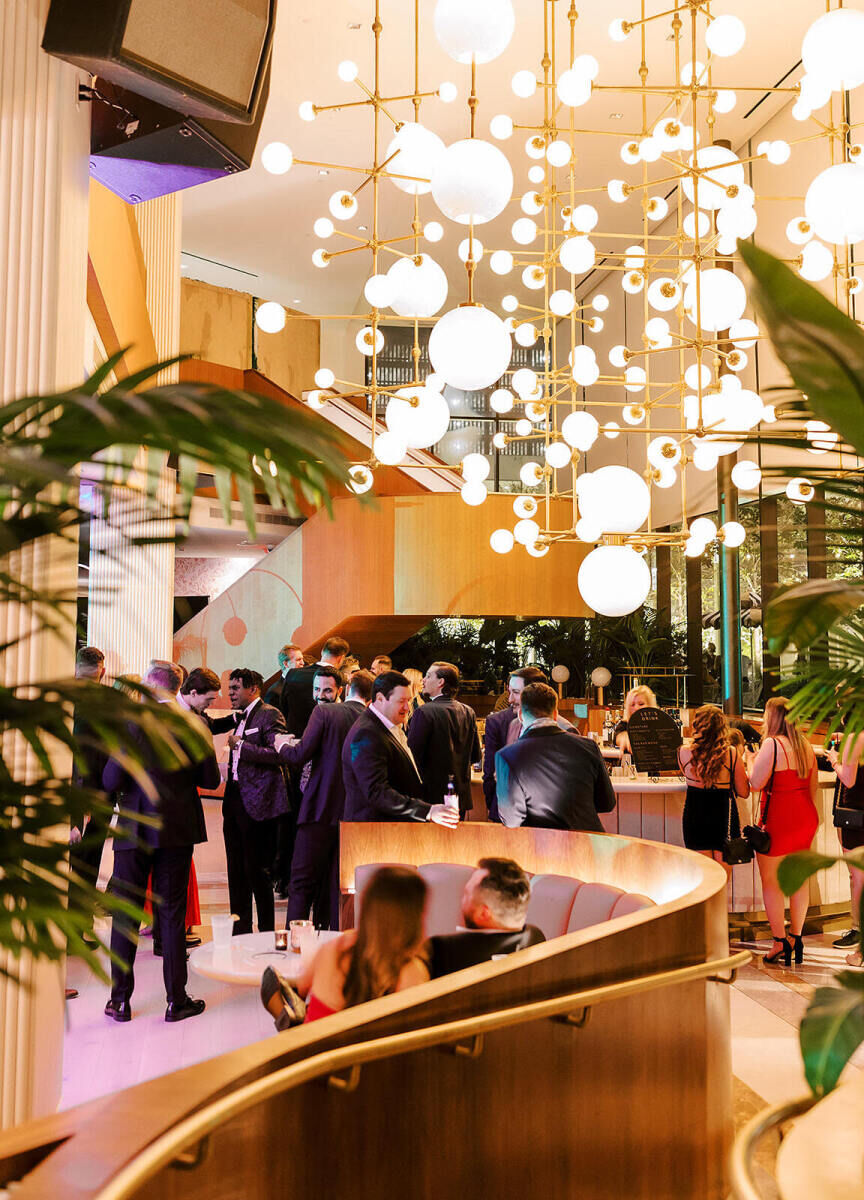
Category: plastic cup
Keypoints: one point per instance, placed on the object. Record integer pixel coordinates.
(222, 925)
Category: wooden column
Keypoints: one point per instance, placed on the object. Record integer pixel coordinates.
(44, 155)
(768, 559)
(694, 630)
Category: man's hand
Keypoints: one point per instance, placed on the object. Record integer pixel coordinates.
(284, 739)
(233, 740)
(443, 814)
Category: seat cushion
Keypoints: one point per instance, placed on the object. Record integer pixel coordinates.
(631, 902)
(446, 882)
(551, 900)
(593, 903)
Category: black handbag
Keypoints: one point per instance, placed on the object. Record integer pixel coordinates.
(757, 835)
(846, 816)
(735, 850)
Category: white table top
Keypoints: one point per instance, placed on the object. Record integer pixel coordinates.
(244, 960)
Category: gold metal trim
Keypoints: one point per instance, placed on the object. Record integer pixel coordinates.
(741, 1161)
(171, 1144)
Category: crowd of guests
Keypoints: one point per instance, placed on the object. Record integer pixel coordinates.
(332, 742)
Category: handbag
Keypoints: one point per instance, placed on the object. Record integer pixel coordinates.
(735, 850)
(757, 835)
(846, 816)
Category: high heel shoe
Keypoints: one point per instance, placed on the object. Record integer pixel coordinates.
(784, 953)
(798, 947)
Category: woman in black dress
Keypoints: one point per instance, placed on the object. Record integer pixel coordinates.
(716, 778)
(850, 790)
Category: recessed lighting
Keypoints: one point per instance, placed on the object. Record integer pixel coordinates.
(354, 25)
(323, 171)
(362, 228)
(616, 116)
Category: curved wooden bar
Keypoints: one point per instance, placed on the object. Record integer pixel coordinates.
(634, 1101)
(653, 810)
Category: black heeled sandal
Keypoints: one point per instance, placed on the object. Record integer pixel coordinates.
(784, 954)
(798, 947)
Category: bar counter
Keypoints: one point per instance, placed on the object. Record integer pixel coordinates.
(653, 810)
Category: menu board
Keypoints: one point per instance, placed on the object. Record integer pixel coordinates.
(654, 740)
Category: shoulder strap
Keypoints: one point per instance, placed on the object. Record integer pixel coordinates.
(766, 791)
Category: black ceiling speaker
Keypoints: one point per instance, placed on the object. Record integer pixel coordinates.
(141, 150)
(204, 58)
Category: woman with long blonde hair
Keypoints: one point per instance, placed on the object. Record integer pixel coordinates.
(382, 955)
(785, 770)
(640, 696)
(716, 780)
(415, 678)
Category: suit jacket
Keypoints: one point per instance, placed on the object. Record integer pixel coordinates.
(177, 804)
(381, 783)
(553, 779)
(273, 695)
(443, 738)
(324, 795)
(456, 951)
(297, 703)
(259, 773)
(494, 739)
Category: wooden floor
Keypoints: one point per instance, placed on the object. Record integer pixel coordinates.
(101, 1056)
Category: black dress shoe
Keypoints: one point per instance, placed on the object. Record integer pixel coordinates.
(118, 1010)
(187, 1007)
(192, 940)
(850, 938)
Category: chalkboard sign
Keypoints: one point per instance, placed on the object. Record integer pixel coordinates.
(654, 740)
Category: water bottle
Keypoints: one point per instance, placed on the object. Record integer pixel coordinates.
(451, 796)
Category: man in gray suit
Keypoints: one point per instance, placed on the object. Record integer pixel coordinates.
(255, 796)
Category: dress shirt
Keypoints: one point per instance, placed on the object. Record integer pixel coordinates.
(538, 724)
(240, 727)
(398, 733)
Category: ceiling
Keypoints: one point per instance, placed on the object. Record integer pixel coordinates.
(253, 231)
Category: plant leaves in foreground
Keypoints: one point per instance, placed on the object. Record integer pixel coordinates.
(800, 613)
(832, 1029)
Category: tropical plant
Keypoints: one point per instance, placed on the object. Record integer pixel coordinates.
(823, 350)
(48, 444)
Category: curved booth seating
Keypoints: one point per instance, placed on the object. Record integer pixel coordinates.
(596, 1064)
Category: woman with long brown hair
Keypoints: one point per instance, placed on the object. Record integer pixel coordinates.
(716, 780)
(382, 955)
(785, 770)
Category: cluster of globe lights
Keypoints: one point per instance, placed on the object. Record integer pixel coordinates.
(471, 182)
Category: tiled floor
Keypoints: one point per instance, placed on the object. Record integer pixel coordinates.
(101, 1056)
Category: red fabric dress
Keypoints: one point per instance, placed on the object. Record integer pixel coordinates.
(193, 906)
(792, 817)
(316, 1009)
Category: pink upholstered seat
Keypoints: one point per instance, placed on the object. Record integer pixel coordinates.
(446, 883)
(630, 902)
(551, 900)
(593, 903)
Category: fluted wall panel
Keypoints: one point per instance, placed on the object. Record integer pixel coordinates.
(44, 148)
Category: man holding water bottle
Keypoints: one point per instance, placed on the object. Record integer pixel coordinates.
(443, 738)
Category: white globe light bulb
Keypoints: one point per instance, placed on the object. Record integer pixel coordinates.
(611, 430)
(316, 400)
(306, 111)
(693, 547)
(558, 153)
(703, 529)
(817, 262)
(433, 231)
(558, 455)
(833, 204)
(617, 498)
(746, 475)
(414, 151)
(584, 218)
(562, 303)
(634, 379)
(323, 227)
(526, 532)
(388, 449)
(800, 490)
(574, 88)
(833, 49)
(343, 205)
(270, 317)
(526, 334)
(480, 31)
(722, 299)
(368, 342)
(276, 158)
(501, 127)
(619, 30)
(524, 428)
(733, 534)
(524, 84)
(347, 71)
(600, 302)
(726, 101)
(743, 334)
(778, 152)
(502, 541)
(725, 36)
(501, 262)
(447, 92)
(705, 458)
(663, 452)
(324, 378)
(378, 290)
(472, 181)
(536, 174)
(474, 492)
(501, 401)
(658, 208)
(418, 415)
(524, 382)
(509, 303)
(524, 231)
(418, 287)
(717, 170)
(587, 531)
(531, 473)
(614, 580)
(361, 479)
(580, 430)
(577, 255)
(470, 247)
(525, 506)
(476, 467)
(537, 550)
(320, 258)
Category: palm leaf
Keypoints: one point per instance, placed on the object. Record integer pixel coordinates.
(802, 612)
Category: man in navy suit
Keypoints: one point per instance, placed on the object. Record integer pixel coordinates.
(498, 727)
(551, 778)
(315, 863)
(443, 738)
(382, 782)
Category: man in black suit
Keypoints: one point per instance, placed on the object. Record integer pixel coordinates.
(550, 777)
(442, 735)
(255, 797)
(494, 905)
(86, 845)
(315, 865)
(297, 702)
(290, 659)
(497, 729)
(382, 782)
(167, 852)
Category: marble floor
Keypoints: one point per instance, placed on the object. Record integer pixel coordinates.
(101, 1056)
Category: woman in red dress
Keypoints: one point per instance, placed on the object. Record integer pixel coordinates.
(785, 770)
